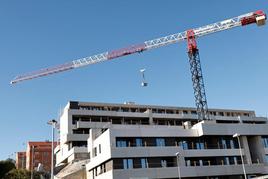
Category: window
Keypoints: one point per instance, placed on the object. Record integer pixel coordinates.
(235, 160)
(185, 112)
(78, 144)
(163, 163)
(103, 168)
(221, 113)
(231, 161)
(265, 142)
(198, 146)
(127, 163)
(81, 131)
(223, 143)
(99, 148)
(160, 142)
(121, 143)
(95, 151)
(138, 142)
(45, 154)
(144, 163)
(183, 144)
(187, 162)
(193, 112)
(266, 158)
(232, 144)
(226, 161)
(201, 162)
(202, 145)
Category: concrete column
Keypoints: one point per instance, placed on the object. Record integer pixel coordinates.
(245, 146)
(257, 149)
(150, 114)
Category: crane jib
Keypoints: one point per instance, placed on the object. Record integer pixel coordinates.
(258, 17)
(126, 51)
(44, 72)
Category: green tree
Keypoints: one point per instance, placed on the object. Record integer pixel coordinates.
(18, 174)
(23, 174)
(6, 166)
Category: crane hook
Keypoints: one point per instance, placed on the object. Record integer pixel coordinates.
(143, 83)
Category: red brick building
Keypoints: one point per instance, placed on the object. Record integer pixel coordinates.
(39, 152)
(21, 160)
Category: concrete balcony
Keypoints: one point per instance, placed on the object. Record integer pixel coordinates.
(257, 119)
(94, 125)
(74, 137)
(211, 128)
(198, 171)
(152, 131)
(79, 150)
(211, 152)
(174, 116)
(217, 170)
(109, 113)
(118, 152)
(64, 156)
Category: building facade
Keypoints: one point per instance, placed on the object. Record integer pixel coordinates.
(21, 160)
(146, 141)
(39, 153)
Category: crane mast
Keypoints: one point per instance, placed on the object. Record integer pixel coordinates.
(197, 77)
(258, 17)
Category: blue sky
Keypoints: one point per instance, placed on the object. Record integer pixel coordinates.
(38, 34)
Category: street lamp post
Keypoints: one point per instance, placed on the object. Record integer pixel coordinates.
(32, 168)
(236, 135)
(53, 123)
(178, 164)
(84, 172)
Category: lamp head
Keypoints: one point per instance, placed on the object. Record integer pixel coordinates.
(236, 135)
(52, 121)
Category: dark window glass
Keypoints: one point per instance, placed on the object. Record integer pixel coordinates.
(160, 142)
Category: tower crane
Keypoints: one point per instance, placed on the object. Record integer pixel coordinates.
(258, 17)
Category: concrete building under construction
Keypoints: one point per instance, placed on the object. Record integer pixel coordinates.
(147, 141)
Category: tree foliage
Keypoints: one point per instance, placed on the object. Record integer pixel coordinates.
(6, 166)
(18, 173)
(24, 174)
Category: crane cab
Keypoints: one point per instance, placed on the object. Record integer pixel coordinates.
(260, 17)
(260, 20)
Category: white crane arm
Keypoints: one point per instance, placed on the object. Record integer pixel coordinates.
(254, 17)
